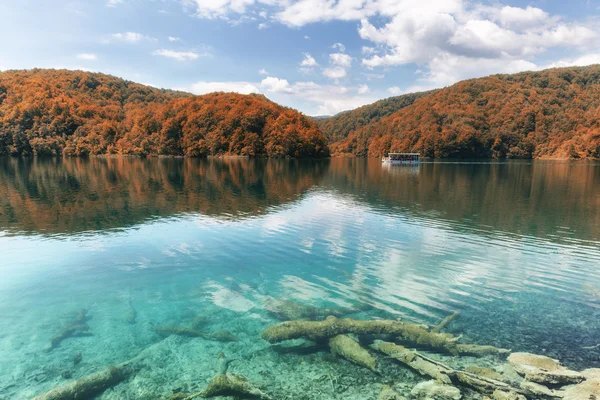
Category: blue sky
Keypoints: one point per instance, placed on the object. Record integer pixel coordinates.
(319, 56)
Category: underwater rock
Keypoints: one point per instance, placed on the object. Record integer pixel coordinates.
(413, 360)
(586, 390)
(542, 369)
(485, 372)
(230, 385)
(344, 346)
(445, 322)
(412, 333)
(387, 393)
(435, 390)
(77, 358)
(288, 310)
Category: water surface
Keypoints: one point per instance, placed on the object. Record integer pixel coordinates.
(513, 246)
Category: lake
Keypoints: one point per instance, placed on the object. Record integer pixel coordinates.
(218, 245)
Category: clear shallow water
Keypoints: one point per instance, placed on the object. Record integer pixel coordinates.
(514, 247)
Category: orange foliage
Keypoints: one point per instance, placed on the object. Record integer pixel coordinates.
(54, 112)
(552, 113)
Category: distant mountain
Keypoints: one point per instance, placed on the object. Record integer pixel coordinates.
(339, 126)
(60, 112)
(551, 113)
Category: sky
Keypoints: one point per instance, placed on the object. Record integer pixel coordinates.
(319, 56)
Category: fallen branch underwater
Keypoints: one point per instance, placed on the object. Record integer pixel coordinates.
(96, 383)
(76, 327)
(408, 332)
(91, 385)
(436, 370)
(445, 322)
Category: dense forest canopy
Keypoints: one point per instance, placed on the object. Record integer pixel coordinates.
(341, 125)
(54, 112)
(551, 113)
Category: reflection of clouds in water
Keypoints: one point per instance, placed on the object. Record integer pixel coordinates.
(94, 245)
(300, 289)
(223, 297)
(307, 244)
(169, 253)
(333, 235)
(419, 265)
(275, 223)
(182, 248)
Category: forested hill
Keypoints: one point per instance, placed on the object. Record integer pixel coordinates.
(339, 126)
(551, 113)
(54, 112)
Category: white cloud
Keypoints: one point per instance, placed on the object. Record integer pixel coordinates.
(370, 77)
(303, 12)
(448, 69)
(583, 60)
(211, 9)
(308, 61)
(316, 98)
(262, 26)
(272, 84)
(323, 99)
(263, 71)
(306, 37)
(87, 56)
(237, 87)
(368, 50)
(174, 39)
(178, 55)
(363, 89)
(522, 18)
(131, 37)
(334, 72)
(340, 59)
(395, 90)
(113, 3)
(448, 40)
(339, 46)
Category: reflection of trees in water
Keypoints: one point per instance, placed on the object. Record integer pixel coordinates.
(74, 195)
(521, 197)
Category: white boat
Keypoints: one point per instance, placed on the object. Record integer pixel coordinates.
(401, 158)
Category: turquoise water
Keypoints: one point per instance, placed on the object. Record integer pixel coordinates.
(140, 244)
